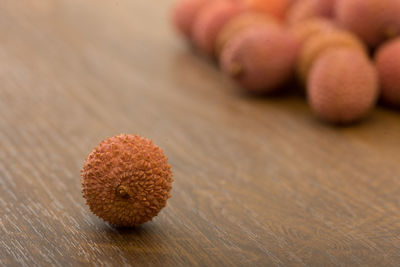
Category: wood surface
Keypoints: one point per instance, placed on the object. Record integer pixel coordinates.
(258, 181)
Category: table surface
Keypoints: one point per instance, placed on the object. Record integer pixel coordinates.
(258, 181)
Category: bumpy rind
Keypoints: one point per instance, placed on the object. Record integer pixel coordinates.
(342, 86)
(126, 180)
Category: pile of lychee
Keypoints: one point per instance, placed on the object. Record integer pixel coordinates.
(344, 53)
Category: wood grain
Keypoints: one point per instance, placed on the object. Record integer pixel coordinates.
(258, 181)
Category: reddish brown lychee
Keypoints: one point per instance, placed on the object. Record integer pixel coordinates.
(372, 20)
(184, 14)
(305, 9)
(260, 59)
(209, 23)
(342, 86)
(126, 180)
(387, 61)
(240, 23)
(319, 43)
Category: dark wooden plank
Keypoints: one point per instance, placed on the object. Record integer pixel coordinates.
(257, 181)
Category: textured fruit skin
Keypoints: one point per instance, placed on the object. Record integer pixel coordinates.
(319, 43)
(387, 60)
(184, 14)
(310, 27)
(373, 20)
(276, 8)
(209, 23)
(306, 9)
(260, 59)
(342, 86)
(126, 180)
(240, 23)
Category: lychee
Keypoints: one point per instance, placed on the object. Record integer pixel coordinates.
(372, 20)
(240, 23)
(185, 13)
(210, 21)
(305, 9)
(342, 86)
(319, 43)
(260, 59)
(126, 180)
(387, 61)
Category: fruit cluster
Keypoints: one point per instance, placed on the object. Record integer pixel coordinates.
(345, 53)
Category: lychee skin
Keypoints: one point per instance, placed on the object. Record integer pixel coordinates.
(306, 9)
(260, 59)
(319, 43)
(276, 8)
(209, 23)
(342, 86)
(126, 180)
(304, 30)
(240, 23)
(387, 61)
(184, 14)
(374, 21)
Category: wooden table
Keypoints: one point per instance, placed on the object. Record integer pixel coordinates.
(258, 181)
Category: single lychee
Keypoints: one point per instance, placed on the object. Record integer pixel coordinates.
(276, 8)
(342, 86)
(126, 180)
(306, 9)
(319, 43)
(372, 20)
(240, 23)
(260, 59)
(310, 27)
(209, 23)
(387, 61)
(184, 14)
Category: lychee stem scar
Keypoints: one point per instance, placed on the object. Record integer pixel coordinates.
(122, 191)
